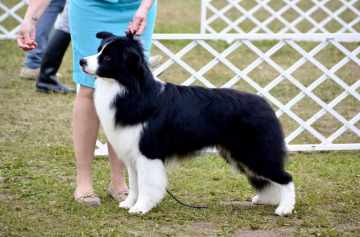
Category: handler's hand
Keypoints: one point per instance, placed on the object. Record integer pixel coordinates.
(26, 36)
(139, 21)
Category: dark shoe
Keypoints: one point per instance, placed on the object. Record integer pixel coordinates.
(58, 88)
(54, 53)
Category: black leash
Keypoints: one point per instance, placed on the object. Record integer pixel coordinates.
(182, 202)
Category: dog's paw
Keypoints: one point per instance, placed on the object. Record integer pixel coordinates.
(256, 200)
(259, 200)
(127, 204)
(284, 210)
(138, 210)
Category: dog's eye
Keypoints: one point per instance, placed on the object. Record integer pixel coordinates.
(107, 57)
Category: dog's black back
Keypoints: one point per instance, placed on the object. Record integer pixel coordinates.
(181, 120)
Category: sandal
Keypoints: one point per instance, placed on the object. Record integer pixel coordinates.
(116, 195)
(88, 199)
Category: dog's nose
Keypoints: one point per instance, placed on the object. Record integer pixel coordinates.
(83, 62)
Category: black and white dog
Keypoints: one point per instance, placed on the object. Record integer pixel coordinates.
(150, 124)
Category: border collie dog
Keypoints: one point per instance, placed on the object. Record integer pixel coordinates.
(151, 124)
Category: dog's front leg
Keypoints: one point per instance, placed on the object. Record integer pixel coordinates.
(152, 184)
(133, 192)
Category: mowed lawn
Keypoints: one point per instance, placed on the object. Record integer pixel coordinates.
(38, 170)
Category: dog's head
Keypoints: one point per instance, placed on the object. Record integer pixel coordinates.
(117, 58)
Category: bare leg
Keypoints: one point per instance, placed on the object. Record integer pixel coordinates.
(117, 171)
(85, 131)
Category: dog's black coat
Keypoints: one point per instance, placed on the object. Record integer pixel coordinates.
(181, 120)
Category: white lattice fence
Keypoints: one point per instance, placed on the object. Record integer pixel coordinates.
(11, 12)
(275, 16)
(324, 142)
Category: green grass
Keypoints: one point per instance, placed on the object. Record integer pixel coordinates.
(38, 190)
(37, 163)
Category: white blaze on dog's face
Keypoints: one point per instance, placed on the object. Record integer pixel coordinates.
(90, 65)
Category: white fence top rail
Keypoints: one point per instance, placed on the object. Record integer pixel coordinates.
(341, 37)
(260, 36)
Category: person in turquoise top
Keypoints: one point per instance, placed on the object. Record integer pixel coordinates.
(87, 17)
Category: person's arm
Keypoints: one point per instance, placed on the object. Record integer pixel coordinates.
(139, 20)
(26, 36)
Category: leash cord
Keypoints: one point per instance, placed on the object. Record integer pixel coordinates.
(200, 207)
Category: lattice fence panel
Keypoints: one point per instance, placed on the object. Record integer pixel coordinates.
(11, 16)
(280, 16)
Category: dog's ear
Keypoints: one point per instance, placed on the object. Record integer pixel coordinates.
(104, 35)
(129, 52)
(132, 56)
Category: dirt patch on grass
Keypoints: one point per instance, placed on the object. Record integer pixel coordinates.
(2, 196)
(264, 233)
(240, 205)
(348, 227)
(203, 228)
(237, 203)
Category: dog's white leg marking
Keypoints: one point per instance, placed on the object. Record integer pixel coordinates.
(152, 182)
(270, 194)
(287, 200)
(133, 192)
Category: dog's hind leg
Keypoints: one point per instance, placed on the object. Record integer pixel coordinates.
(266, 191)
(287, 201)
(133, 192)
(272, 183)
(279, 189)
(152, 182)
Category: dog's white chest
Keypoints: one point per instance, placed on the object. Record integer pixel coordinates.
(105, 94)
(124, 139)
